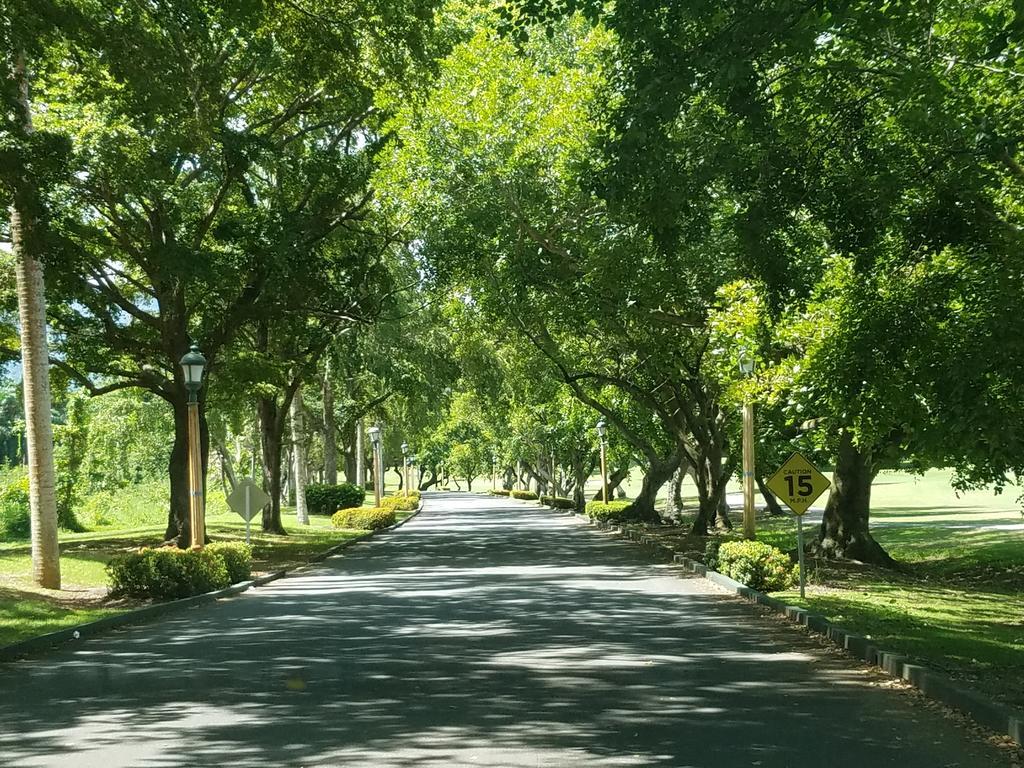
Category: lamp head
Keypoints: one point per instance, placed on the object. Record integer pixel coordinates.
(374, 433)
(746, 362)
(192, 366)
(602, 429)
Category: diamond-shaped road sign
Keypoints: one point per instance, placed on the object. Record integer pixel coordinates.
(247, 499)
(798, 483)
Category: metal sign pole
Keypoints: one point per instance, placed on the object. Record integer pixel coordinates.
(248, 511)
(800, 547)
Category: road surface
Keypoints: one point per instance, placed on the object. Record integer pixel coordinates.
(486, 632)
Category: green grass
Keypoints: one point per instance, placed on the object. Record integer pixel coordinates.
(135, 520)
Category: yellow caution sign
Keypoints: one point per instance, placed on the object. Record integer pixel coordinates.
(798, 483)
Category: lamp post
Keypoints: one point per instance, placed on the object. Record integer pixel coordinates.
(192, 366)
(405, 464)
(602, 429)
(494, 471)
(746, 363)
(375, 442)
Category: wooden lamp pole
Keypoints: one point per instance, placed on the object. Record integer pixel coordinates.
(192, 366)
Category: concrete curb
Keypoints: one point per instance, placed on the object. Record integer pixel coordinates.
(49, 641)
(935, 685)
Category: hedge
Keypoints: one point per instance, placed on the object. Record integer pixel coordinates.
(558, 502)
(367, 518)
(171, 573)
(758, 565)
(500, 492)
(614, 511)
(398, 501)
(524, 495)
(328, 499)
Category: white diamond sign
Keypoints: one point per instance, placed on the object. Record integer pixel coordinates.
(247, 499)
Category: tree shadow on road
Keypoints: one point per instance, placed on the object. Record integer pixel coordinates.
(499, 636)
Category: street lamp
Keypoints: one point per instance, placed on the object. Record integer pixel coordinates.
(602, 429)
(193, 364)
(746, 364)
(375, 442)
(494, 471)
(405, 462)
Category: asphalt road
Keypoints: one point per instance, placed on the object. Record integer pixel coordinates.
(483, 633)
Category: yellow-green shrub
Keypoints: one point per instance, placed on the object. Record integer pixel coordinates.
(613, 511)
(524, 495)
(237, 559)
(368, 518)
(171, 573)
(398, 501)
(758, 565)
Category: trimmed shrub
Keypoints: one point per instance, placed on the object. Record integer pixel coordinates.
(171, 573)
(558, 502)
(613, 512)
(524, 495)
(500, 492)
(758, 565)
(237, 559)
(367, 518)
(328, 499)
(400, 502)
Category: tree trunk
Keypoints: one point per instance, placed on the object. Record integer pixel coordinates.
(330, 429)
(844, 529)
(360, 462)
(676, 508)
(469, 484)
(270, 439)
(774, 508)
(425, 485)
(711, 478)
(299, 453)
(226, 463)
(658, 473)
(615, 479)
(35, 363)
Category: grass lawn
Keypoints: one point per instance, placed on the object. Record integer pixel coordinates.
(957, 601)
(27, 610)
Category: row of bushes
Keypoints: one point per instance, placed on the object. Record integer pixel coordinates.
(758, 565)
(328, 499)
(375, 518)
(171, 573)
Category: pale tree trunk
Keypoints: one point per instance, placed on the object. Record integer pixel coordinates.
(330, 430)
(299, 454)
(35, 361)
(360, 463)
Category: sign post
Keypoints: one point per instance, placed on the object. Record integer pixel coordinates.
(247, 499)
(798, 484)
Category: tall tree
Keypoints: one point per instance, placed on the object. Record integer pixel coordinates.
(221, 145)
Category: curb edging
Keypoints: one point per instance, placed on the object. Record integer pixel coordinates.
(1001, 718)
(51, 640)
